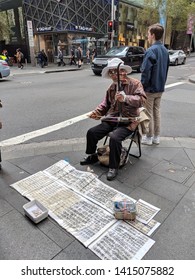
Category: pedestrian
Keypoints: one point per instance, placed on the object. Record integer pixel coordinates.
(19, 58)
(153, 78)
(72, 57)
(124, 103)
(88, 56)
(60, 60)
(79, 56)
(0, 128)
(42, 58)
(94, 54)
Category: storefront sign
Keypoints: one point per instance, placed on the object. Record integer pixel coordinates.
(30, 33)
(42, 29)
(83, 28)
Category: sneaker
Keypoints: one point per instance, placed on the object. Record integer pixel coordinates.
(112, 173)
(156, 140)
(146, 140)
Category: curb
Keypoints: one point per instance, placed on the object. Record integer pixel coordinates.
(77, 144)
(34, 71)
(192, 79)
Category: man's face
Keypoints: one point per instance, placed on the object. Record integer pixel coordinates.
(122, 74)
(150, 37)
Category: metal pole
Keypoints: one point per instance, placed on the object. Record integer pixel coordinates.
(112, 18)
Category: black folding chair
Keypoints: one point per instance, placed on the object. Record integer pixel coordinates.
(133, 137)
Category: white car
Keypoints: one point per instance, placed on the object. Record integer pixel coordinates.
(177, 57)
(4, 69)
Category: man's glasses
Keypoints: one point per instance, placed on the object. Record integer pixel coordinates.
(114, 72)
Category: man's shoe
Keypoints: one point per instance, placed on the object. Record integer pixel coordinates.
(156, 140)
(89, 160)
(147, 141)
(112, 173)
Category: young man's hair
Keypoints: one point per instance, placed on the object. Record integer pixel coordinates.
(157, 29)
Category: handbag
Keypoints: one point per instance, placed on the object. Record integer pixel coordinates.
(58, 60)
(103, 155)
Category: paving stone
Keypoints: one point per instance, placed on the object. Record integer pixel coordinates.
(35, 164)
(176, 238)
(182, 158)
(76, 251)
(165, 205)
(60, 237)
(191, 194)
(21, 239)
(159, 152)
(4, 207)
(172, 171)
(165, 188)
(190, 181)
(191, 155)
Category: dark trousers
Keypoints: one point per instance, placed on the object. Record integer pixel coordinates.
(119, 133)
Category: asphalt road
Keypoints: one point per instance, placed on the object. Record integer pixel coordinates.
(36, 101)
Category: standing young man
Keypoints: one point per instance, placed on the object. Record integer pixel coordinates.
(154, 74)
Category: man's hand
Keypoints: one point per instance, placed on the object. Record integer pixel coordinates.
(120, 96)
(94, 116)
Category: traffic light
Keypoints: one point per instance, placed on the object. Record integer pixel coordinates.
(109, 26)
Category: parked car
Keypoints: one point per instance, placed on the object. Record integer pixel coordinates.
(4, 69)
(177, 57)
(132, 56)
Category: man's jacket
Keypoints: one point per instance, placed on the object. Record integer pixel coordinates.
(155, 68)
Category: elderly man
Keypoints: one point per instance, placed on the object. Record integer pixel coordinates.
(124, 103)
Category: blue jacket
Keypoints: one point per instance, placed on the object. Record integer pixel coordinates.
(155, 68)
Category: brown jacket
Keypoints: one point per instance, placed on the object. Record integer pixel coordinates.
(135, 99)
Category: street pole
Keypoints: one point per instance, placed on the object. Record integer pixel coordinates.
(112, 19)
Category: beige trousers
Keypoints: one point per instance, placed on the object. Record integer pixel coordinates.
(153, 110)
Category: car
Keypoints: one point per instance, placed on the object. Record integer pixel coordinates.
(131, 55)
(4, 69)
(177, 57)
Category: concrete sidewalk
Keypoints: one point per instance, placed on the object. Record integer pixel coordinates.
(51, 68)
(164, 176)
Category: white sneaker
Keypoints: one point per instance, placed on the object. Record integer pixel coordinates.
(156, 140)
(146, 140)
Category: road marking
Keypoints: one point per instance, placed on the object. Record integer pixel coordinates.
(175, 84)
(25, 137)
(33, 134)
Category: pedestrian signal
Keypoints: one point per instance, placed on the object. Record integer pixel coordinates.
(110, 26)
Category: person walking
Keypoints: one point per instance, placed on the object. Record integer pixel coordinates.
(121, 102)
(88, 56)
(19, 58)
(72, 57)
(94, 54)
(79, 56)
(60, 58)
(154, 70)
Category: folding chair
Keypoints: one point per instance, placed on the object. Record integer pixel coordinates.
(133, 137)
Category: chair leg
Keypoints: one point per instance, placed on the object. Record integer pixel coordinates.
(139, 145)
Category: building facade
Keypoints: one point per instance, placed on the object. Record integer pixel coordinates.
(68, 23)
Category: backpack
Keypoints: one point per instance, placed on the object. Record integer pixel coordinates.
(103, 155)
(22, 55)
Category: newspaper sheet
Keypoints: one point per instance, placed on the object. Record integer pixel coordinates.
(145, 211)
(102, 194)
(71, 177)
(121, 242)
(147, 229)
(59, 169)
(32, 183)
